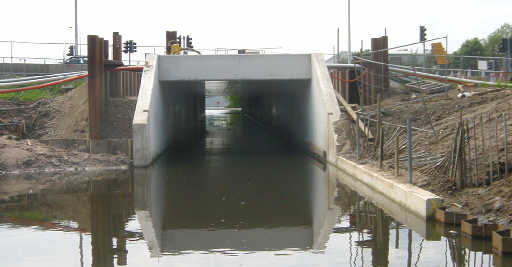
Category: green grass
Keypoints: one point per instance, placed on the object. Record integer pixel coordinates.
(30, 215)
(34, 95)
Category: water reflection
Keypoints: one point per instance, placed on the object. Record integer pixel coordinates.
(238, 199)
(223, 198)
(111, 203)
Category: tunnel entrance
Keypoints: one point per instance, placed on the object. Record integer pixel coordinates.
(284, 94)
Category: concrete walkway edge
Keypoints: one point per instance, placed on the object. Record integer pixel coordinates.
(413, 198)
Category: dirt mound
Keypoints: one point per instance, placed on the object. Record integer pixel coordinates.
(65, 116)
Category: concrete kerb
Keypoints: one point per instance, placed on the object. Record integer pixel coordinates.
(418, 201)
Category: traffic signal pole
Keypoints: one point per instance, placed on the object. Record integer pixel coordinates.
(424, 57)
(507, 61)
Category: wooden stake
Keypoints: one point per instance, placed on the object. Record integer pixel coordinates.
(482, 133)
(505, 143)
(453, 157)
(457, 167)
(379, 122)
(397, 152)
(475, 182)
(469, 172)
(496, 144)
(381, 148)
(489, 151)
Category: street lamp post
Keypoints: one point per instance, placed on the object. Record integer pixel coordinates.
(76, 28)
(349, 42)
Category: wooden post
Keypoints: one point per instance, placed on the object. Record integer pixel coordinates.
(117, 47)
(505, 143)
(95, 85)
(482, 133)
(358, 149)
(469, 172)
(366, 145)
(379, 123)
(102, 92)
(397, 152)
(475, 182)
(459, 180)
(105, 50)
(409, 149)
(489, 151)
(381, 148)
(453, 157)
(117, 55)
(496, 142)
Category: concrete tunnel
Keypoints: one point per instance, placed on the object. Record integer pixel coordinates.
(291, 94)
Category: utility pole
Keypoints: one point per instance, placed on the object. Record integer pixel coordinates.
(338, 47)
(76, 27)
(349, 48)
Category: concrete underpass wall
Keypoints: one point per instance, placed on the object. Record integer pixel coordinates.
(167, 114)
(280, 105)
(301, 111)
(323, 111)
(291, 93)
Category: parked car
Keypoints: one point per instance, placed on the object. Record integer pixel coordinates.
(76, 60)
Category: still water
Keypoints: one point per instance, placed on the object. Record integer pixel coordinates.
(241, 197)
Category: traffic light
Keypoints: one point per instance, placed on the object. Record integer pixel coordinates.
(126, 47)
(179, 40)
(130, 47)
(133, 47)
(423, 34)
(502, 47)
(71, 51)
(189, 42)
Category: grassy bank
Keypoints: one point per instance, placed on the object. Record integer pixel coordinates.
(34, 95)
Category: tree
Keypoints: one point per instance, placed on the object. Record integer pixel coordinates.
(491, 44)
(471, 47)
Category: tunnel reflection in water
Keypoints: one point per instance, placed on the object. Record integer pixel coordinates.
(241, 190)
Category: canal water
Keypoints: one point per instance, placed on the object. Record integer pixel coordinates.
(240, 197)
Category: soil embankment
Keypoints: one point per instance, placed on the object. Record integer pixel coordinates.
(62, 117)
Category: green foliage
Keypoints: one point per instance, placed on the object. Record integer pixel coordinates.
(471, 47)
(233, 94)
(234, 101)
(34, 95)
(493, 40)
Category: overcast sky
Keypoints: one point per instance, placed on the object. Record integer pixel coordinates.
(295, 26)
